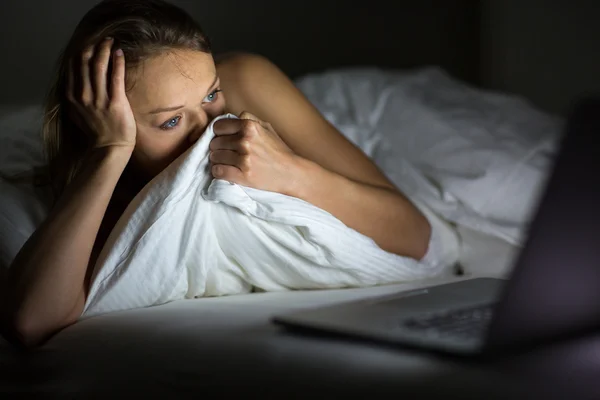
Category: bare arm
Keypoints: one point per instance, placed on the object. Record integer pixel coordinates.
(45, 287)
(380, 212)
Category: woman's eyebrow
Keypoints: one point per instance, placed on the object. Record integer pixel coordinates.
(173, 108)
(165, 109)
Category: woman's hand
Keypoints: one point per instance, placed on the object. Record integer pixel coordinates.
(248, 151)
(99, 106)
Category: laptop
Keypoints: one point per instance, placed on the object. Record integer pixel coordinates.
(553, 290)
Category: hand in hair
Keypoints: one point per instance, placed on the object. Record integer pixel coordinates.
(99, 106)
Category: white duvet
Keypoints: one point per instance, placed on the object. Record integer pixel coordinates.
(477, 159)
(188, 235)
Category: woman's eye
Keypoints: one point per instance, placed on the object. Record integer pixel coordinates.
(170, 124)
(212, 96)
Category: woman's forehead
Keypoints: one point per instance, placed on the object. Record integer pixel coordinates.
(170, 75)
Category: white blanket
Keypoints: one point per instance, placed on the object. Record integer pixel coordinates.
(186, 235)
(478, 158)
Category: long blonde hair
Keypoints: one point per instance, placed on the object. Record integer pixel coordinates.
(141, 28)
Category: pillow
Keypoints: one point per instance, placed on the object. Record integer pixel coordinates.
(23, 206)
(22, 209)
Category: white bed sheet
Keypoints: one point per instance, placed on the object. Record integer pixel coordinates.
(185, 346)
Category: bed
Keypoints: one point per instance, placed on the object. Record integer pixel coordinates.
(218, 341)
(228, 344)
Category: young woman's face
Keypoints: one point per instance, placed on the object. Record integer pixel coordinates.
(174, 98)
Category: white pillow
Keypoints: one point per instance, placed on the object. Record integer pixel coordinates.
(23, 207)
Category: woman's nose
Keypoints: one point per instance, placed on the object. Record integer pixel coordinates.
(201, 121)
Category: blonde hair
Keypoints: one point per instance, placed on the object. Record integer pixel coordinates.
(141, 28)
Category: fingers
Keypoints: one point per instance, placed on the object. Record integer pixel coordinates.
(86, 84)
(93, 86)
(100, 64)
(117, 87)
(236, 143)
(230, 126)
(251, 117)
(229, 173)
(228, 157)
(227, 126)
(247, 115)
(229, 165)
(236, 134)
(70, 92)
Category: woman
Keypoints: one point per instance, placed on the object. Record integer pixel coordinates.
(136, 86)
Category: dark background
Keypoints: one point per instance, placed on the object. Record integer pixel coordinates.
(545, 50)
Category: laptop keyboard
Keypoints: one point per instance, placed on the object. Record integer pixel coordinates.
(463, 323)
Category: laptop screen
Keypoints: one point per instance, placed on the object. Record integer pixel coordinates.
(555, 286)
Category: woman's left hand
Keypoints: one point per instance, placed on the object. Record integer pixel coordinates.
(248, 151)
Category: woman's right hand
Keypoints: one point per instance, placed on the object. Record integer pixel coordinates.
(99, 105)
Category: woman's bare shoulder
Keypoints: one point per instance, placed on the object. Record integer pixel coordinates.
(243, 77)
(233, 59)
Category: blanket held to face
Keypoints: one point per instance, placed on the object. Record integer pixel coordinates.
(187, 235)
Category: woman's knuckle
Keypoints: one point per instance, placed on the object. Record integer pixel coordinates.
(250, 129)
(247, 123)
(245, 145)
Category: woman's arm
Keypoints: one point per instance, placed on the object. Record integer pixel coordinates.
(380, 212)
(47, 282)
(330, 172)
(46, 287)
